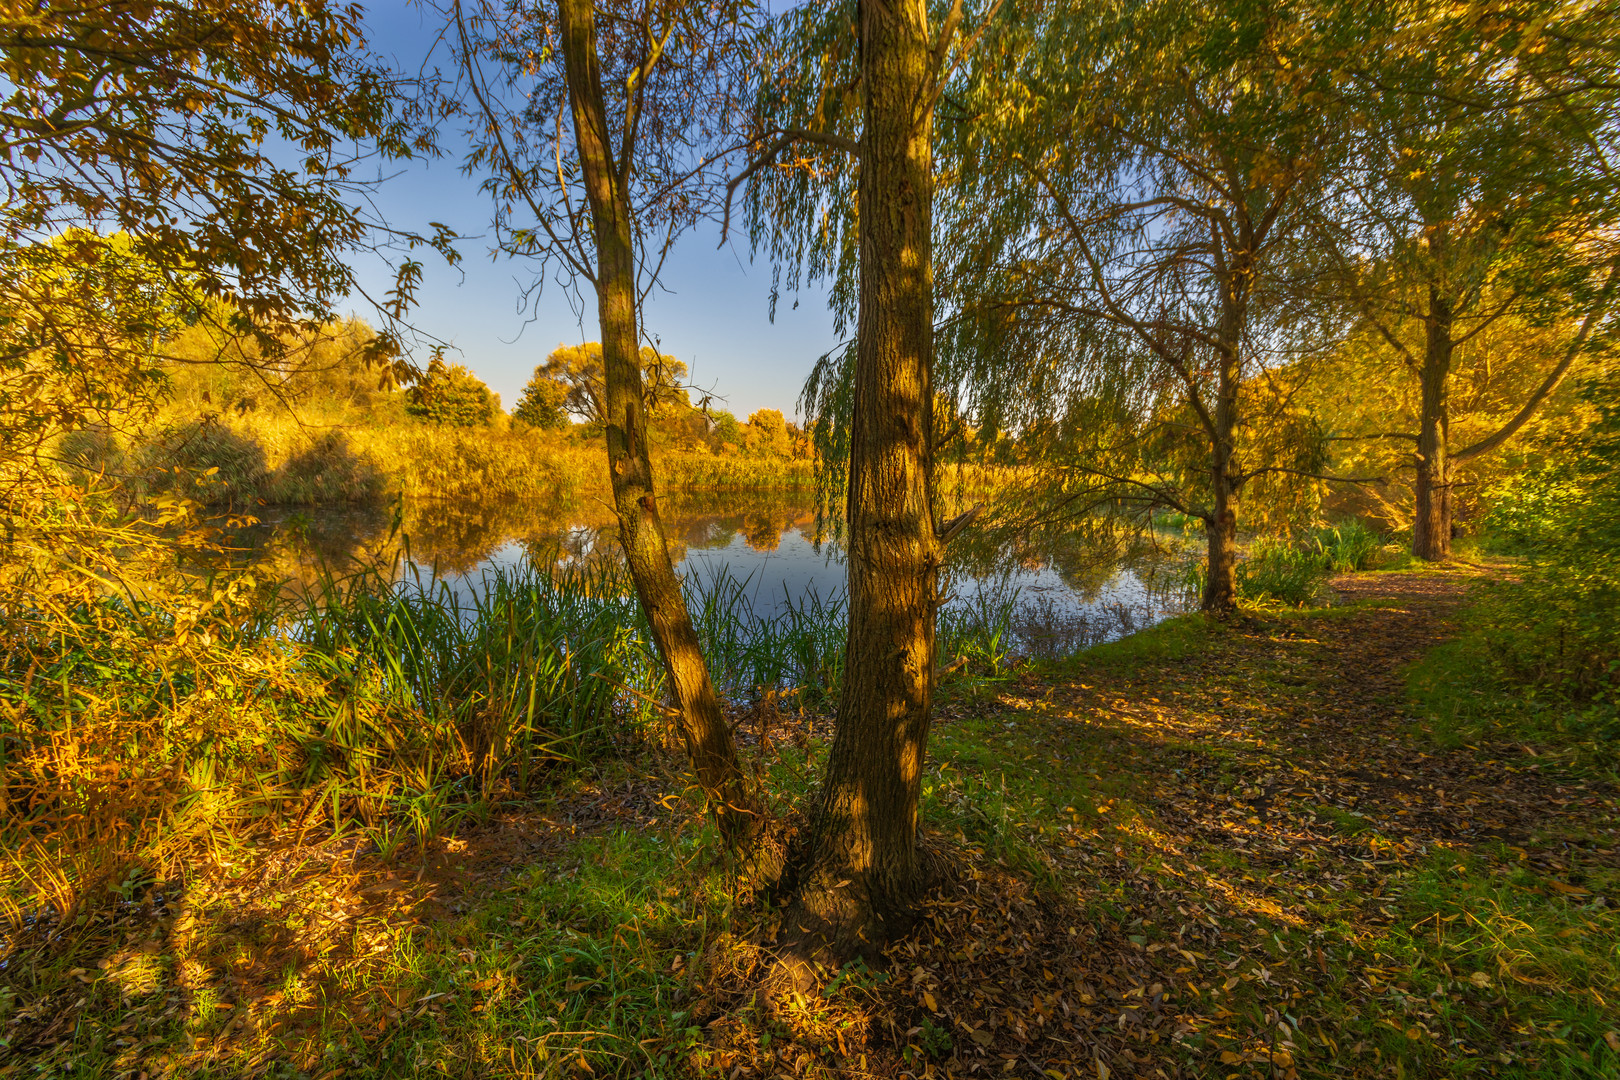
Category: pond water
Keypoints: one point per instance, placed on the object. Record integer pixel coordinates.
(1058, 591)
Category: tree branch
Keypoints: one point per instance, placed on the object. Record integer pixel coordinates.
(1554, 377)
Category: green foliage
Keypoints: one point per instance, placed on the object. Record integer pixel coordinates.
(1558, 626)
(726, 428)
(543, 403)
(571, 381)
(1275, 572)
(527, 667)
(1348, 546)
(1282, 573)
(452, 395)
(1290, 573)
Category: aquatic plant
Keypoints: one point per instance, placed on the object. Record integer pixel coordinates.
(1348, 546)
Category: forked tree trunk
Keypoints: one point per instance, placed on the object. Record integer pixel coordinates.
(641, 529)
(862, 871)
(1431, 523)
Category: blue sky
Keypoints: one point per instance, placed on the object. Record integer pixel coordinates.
(712, 312)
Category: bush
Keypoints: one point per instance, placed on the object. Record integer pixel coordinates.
(328, 470)
(208, 462)
(450, 394)
(1275, 572)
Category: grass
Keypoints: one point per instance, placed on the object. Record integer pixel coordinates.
(397, 709)
(1462, 705)
(1210, 848)
(1373, 947)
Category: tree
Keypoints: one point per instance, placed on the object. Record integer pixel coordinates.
(156, 120)
(1479, 190)
(211, 366)
(1128, 198)
(543, 403)
(869, 806)
(218, 140)
(857, 875)
(450, 394)
(1371, 409)
(577, 370)
(638, 164)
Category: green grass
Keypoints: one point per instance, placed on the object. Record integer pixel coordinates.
(1346, 952)
(1452, 962)
(1464, 701)
(582, 962)
(1170, 639)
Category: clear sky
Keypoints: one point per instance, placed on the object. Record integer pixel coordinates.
(712, 313)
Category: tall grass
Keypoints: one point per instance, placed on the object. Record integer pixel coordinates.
(1277, 571)
(1348, 546)
(527, 669)
(145, 736)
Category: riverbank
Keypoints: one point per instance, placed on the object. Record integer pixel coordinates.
(281, 462)
(1256, 848)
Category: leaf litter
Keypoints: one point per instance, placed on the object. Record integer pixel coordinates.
(1245, 857)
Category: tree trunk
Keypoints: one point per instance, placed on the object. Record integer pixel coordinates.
(1220, 583)
(863, 867)
(641, 529)
(1431, 524)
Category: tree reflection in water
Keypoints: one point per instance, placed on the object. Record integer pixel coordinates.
(1064, 588)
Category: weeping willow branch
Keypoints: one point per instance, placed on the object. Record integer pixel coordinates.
(786, 138)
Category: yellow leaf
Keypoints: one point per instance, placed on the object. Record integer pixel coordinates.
(928, 1000)
(1229, 1058)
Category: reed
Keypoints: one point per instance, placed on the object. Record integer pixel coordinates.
(392, 706)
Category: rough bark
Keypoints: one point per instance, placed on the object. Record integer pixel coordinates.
(641, 530)
(862, 869)
(1220, 583)
(1220, 528)
(1431, 523)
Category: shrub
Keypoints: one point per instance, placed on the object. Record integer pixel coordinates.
(206, 461)
(450, 394)
(1275, 572)
(328, 470)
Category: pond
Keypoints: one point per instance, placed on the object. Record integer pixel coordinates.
(1056, 591)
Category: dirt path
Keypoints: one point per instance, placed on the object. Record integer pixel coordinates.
(1263, 864)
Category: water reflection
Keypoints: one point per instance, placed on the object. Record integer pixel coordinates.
(1060, 591)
